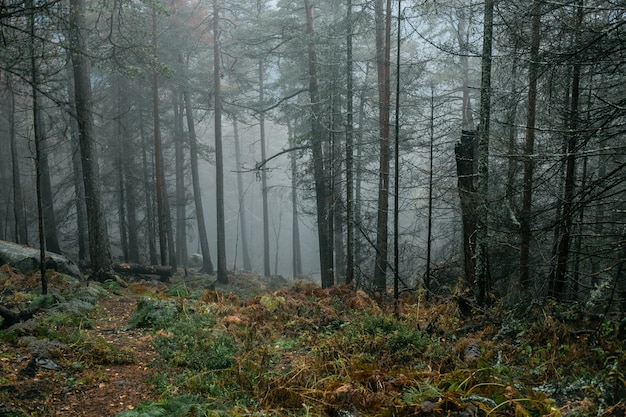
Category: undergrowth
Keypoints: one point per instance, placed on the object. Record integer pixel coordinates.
(307, 351)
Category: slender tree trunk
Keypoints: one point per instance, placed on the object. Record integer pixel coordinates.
(148, 176)
(207, 265)
(21, 231)
(466, 159)
(243, 224)
(295, 227)
(383, 51)
(529, 149)
(349, 149)
(465, 154)
(559, 285)
(266, 236)
(181, 198)
(429, 236)
(158, 158)
(511, 133)
(131, 215)
(358, 180)
(396, 182)
(122, 209)
(321, 182)
(169, 227)
(129, 169)
(50, 222)
(219, 158)
(337, 157)
(122, 138)
(482, 276)
(79, 190)
(34, 72)
(99, 249)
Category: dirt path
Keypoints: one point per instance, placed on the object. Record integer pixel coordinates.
(111, 388)
(85, 384)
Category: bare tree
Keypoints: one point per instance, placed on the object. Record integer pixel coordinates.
(482, 275)
(383, 56)
(321, 182)
(99, 249)
(219, 158)
(529, 148)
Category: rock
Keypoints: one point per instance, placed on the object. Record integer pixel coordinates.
(195, 260)
(26, 259)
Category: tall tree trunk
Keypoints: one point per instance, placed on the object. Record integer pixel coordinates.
(482, 275)
(465, 154)
(79, 189)
(295, 226)
(122, 208)
(396, 182)
(50, 222)
(529, 149)
(358, 179)
(266, 231)
(34, 72)
(169, 226)
(429, 233)
(21, 231)
(158, 157)
(181, 198)
(99, 249)
(122, 139)
(321, 182)
(511, 136)
(337, 157)
(559, 284)
(349, 149)
(148, 176)
(466, 160)
(207, 265)
(219, 158)
(129, 169)
(243, 224)
(383, 51)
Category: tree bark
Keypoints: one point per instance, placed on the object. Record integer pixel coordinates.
(529, 149)
(266, 230)
(222, 276)
(482, 275)
(99, 249)
(295, 226)
(321, 182)
(21, 230)
(158, 157)
(243, 224)
(429, 233)
(207, 265)
(349, 149)
(47, 200)
(465, 153)
(181, 198)
(559, 281)
(37, 128)
(148, 176)
(383, 51)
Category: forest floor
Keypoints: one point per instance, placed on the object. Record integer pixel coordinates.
(258, 348)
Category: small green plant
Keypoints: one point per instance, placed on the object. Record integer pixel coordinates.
(153, 313)
(193, 343)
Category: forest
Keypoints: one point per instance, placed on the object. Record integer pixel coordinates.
(465, 152)
(393, 144)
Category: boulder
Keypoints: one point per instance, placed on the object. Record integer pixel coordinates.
(26, 259)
